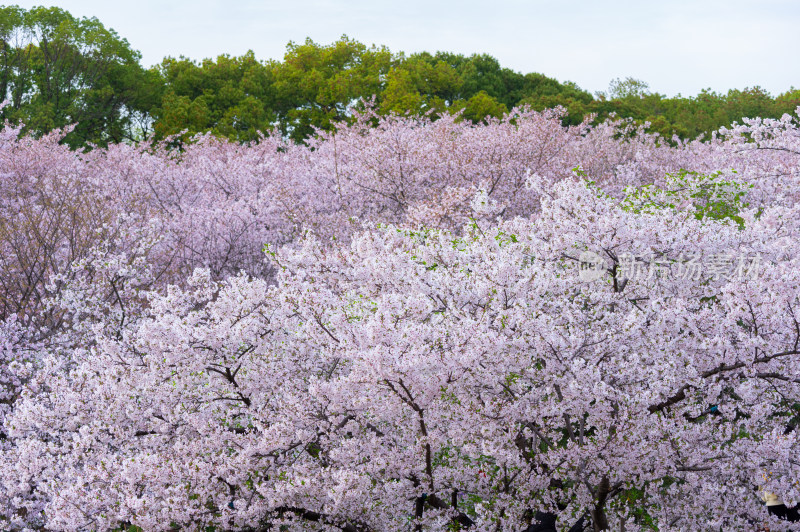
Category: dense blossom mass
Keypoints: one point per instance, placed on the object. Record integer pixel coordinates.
(394, 328)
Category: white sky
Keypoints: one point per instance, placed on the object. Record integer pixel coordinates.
(680, 46)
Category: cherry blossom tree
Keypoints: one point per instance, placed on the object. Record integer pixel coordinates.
(421, 348)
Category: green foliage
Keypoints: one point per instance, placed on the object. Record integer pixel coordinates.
(709, 196)
(481, 106)
(317, 86)
(689, 117)
(632, 499)
(622, 89)
(229, 97)
(420, 84)
(57, 70)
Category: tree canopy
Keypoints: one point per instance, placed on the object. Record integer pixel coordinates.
(420, 347)
(57, 70)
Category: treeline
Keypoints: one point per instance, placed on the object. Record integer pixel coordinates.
(57, 70)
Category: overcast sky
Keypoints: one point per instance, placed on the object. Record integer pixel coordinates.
(680, 46)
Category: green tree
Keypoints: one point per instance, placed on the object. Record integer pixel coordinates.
(231, 97)
(481, 106)
(317, 86)
(620, 89)
(420, 84)
(59, 70)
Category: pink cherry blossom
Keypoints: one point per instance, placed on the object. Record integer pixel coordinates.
(388, 329)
